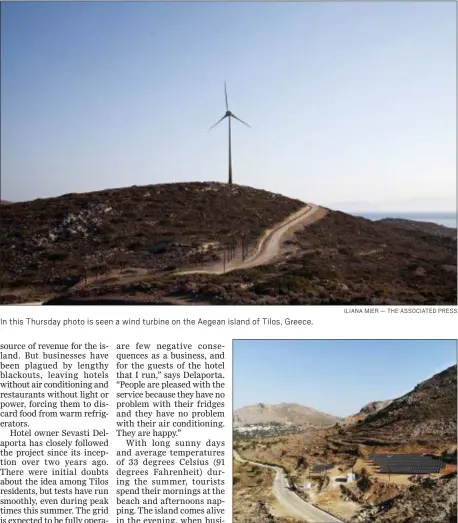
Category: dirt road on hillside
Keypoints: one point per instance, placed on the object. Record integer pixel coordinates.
(270, 245)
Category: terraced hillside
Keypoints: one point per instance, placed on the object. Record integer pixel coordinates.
(427, 414)
(422, 420)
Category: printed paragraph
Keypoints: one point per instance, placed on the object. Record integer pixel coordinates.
(166, 399)
(126, 433)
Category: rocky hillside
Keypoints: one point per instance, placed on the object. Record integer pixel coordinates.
(423, 420)
(282, 413)
(429, 501)
(125, 245)
(339, 260)
(55, 242)
(374, 406)
(370, 408)
(428, 414)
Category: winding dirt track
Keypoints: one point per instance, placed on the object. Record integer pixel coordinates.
(293, 503)
(270, 245)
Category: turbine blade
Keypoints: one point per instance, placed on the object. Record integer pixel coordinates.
(219, 121)
(225, 94)
(244, 123)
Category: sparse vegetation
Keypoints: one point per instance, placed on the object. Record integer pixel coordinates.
(422, 421)
(253, 497)
(153, 227)
(49, 245)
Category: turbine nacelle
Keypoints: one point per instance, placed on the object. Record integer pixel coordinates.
(229, 114)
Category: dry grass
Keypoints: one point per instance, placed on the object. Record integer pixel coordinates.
(325, 266)
(48, 246)
(51, 244)
(334, 503)
(253, 497)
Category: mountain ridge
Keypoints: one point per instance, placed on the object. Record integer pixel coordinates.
(293, 413)
(366, 410)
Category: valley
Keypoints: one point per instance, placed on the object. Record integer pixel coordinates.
(336, 468)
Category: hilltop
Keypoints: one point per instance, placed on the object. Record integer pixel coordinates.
(128, 246)
(368, 409)
(290, 413)
(374, 406)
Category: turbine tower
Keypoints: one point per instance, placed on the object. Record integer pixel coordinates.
(229, 115)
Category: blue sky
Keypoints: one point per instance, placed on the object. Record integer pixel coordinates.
(337, 376)
(348, 102)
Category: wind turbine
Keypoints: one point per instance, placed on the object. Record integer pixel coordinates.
(229, 115)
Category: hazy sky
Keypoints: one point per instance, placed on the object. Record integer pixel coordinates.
(337, 377)
(348, 102)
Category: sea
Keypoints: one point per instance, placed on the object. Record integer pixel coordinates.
(442, 218)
